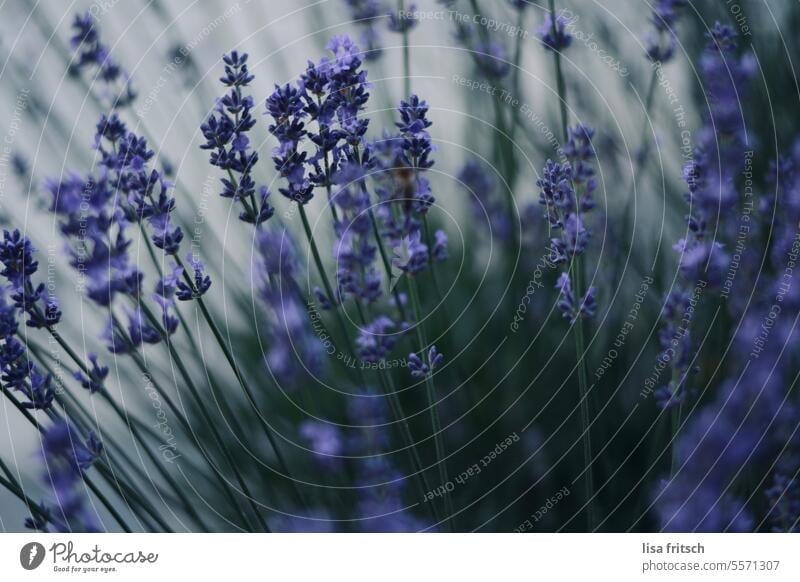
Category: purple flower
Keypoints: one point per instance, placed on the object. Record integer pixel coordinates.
(325, 440)
(555, 37)
(141, 331)
(226, 133)
(91, 53)
(377, 339)
(403, 22)
(566, 192)
(286, 107)
(294, 350)
(702, 261)
(381, 487)
(354, 251)
(567, 303)
(439, 252)
(661, 42)
(14, 363)
(488, 208)
(40, 392)
(783, 497)
(556, 193)
(66, 457)
(492, 59)
(97, 374)
(201, 282)
(411, 256)
(420, 368)
(8, 317)
(16, 256)
(367, 15)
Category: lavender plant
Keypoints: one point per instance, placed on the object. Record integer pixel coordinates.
(424, 313)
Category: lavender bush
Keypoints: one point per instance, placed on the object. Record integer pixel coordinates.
(390, 266)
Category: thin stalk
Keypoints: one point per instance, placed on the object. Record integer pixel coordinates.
(154, 259)
(195, 393)
(423, 486)
(576, 269)
(390, 391)
(315, 254)
(243, 384)
(640, 156)
(584, 396)
(179, 415)
(429, 241)
(431, 394)
(226, 488)
(406, 52)
(387, 265)
(86, 479)
(105, 467)
(675, 419)
(101, 496)
(323, 275)
(515, 111)
(133, 424)
(10, 483)
(561, 86)
(224, 346)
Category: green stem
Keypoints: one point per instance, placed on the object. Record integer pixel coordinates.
(243, 384)
(584, 396)
(126, 491)
(387, 264)
(195, 393)
(423, 486)
(10, 483)
(99, 494)
(560, 84)
(441, 463)
(576, 269)
(515, 110)
(315, 254)
(405, 429)
(133, 424)
(325, 282)
(406, 55)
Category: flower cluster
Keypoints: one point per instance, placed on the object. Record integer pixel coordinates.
(331, 93)
(376, 340)
(227, 137)
(749, 420)
(16, 256)
(66, 456)
(420, 368)
(554, 34)
(381, 486)
(367, 14)
(567, 195)
(91, 54)
(487, 206)
(325, 441)
(404, 192)
(660, 42)
(676, 347)
(573, 308)
(355, 251)
(293, 351)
